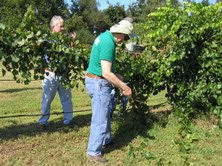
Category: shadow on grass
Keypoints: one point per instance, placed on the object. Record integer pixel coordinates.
(32, 129)
(17, 90)
(130, 126)
(2, 80)
(5, 79)
(133, 126)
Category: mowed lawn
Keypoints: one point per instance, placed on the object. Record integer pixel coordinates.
(24, 143)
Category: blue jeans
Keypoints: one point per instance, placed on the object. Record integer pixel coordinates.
(100, 132)
(50, 85)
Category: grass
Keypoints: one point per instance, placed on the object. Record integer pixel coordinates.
(24, 143)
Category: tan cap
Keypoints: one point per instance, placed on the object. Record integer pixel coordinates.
(124, 26)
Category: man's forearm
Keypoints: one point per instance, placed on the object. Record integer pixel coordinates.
(114, 80)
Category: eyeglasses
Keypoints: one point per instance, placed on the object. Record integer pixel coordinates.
(126, 37)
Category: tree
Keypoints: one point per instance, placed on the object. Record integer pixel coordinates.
(115, 13)
(205, 2)
(94, 20)
(142, 8)
(87, 10)
(76, 24)
(12, 11)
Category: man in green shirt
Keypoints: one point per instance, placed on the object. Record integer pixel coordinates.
(100, 78)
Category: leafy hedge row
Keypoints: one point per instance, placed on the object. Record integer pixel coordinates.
(184, 56)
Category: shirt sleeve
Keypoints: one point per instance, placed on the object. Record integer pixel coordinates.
(107, 51)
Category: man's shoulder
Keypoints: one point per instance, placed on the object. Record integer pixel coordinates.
(106, 38)
(106, 35)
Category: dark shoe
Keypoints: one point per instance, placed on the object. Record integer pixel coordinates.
(44, 126)
(109, 144)
(98, 158)
(71, 124)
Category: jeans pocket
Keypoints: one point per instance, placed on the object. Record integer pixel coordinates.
(89, 89)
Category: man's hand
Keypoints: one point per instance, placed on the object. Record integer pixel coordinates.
(126, 91)
(73, 35)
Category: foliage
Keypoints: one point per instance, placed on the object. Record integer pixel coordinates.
(189, 55)
(88, 21)
(115, 13)
(25, 50)
(142, 8)
(12, 12)
(77, 25)
(183, 56)
(130, 66)
(86, 9)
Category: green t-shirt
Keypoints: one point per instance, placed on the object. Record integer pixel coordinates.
(104, 48)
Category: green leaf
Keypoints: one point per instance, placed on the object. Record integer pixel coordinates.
(2, 26)
(15, 58)
(30, 35)
(38, 33)
(21, 42)
(149, 156)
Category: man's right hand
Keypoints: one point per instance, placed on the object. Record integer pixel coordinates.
(126, 91)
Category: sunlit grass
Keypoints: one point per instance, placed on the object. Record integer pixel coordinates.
(24, 143)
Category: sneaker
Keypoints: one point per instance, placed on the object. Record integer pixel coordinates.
(98, 158)
(109, 144)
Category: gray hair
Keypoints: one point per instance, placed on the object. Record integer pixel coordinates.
(55, 20)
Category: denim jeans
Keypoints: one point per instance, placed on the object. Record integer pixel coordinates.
(50, 85)
(100, 131)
